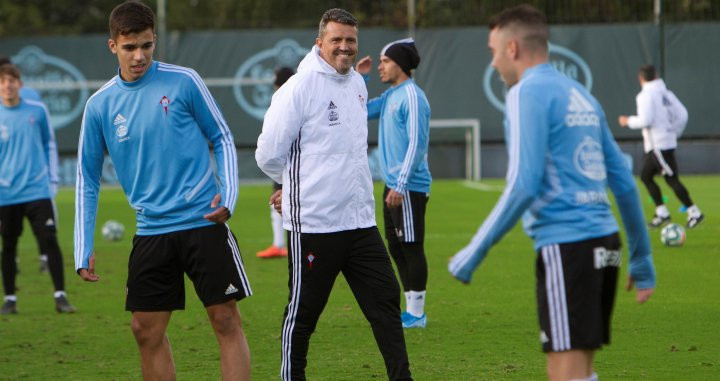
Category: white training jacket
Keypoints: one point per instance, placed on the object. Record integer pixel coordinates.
(314, 143)
(653, 117)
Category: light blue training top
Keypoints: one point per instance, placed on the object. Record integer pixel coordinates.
(562, 158)
(404, 134)
(157, 131)
(28, 154)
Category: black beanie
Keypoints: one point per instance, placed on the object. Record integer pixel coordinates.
(404, 53)
(282, 75)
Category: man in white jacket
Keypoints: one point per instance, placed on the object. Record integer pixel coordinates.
(661, 116)
(314, 143)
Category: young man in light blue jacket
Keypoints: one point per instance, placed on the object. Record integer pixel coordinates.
(404, 134)
(156, 120)
(562, 158)
(28, 182)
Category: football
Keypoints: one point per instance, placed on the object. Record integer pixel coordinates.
(672, 235)
(112, 230)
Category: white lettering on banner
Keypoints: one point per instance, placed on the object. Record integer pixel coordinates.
(65, 104)
(563, 59)
(254, 99)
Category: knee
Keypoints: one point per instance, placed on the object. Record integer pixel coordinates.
(146, 334)
(225, 320)
(646, 177)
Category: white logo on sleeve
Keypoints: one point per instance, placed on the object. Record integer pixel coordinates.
(231, 289)
(580, 111)
(589, 159)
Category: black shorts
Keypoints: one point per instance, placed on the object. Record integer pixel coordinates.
(209, 255)
(576, 285)
(276, 187)
(662, 162)
(407, 221)
(40, 214)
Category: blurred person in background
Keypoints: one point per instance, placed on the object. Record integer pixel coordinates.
(403, 137)
(662, 118)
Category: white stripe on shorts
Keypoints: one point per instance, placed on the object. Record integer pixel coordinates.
(238, 262)
(557, 303)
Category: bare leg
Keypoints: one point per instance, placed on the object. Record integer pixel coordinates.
(155, 352)
(234, 350)
(569, 365)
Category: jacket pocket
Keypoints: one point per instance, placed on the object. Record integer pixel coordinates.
(189, 196)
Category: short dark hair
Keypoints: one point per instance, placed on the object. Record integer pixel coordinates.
(10, 69)
(647, 72)
(282, 75)
(4, 60)
(529, 18)
(336, 15)
(131, 17)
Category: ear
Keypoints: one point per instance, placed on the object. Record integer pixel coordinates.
(512, 49)
(112, 45)
(318, 42)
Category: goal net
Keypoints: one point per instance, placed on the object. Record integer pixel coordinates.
(471, 128)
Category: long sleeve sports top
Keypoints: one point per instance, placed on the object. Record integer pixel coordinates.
(156, 130)
(562, 157)
(28, 153)
(314, 142)
(404, 135)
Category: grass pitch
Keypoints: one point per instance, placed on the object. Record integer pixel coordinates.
(484, 331)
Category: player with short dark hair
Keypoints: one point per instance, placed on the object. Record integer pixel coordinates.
(28, 182)
(562, 158)
(662, 117)
(314, 142)
(155, 120)
(403, 138)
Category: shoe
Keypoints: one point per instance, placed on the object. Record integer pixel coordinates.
(63, 306)
(272, 252)
(9, 307)
(694, 221)
(658, 221)
(43, 265)
(411, 321)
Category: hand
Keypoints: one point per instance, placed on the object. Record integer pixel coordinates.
(623, 120)
(363, 66)
(219, 215)
(276, 200)
(393, 199)
(88, 274)
(642, 295)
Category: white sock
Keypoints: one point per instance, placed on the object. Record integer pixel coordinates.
(10, 298)
(277, 227)
(416, 307)
(693, 211)
(407, 299)
(58, 294)
(593, 377)
(662, 211)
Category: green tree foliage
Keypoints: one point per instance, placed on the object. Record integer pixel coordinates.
(48, 17)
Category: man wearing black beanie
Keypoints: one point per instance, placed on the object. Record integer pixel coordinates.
(404, 131)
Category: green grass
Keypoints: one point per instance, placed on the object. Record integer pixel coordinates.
(484, 331)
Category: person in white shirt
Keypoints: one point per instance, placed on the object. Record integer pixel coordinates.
(314, 143)
(662, 117)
